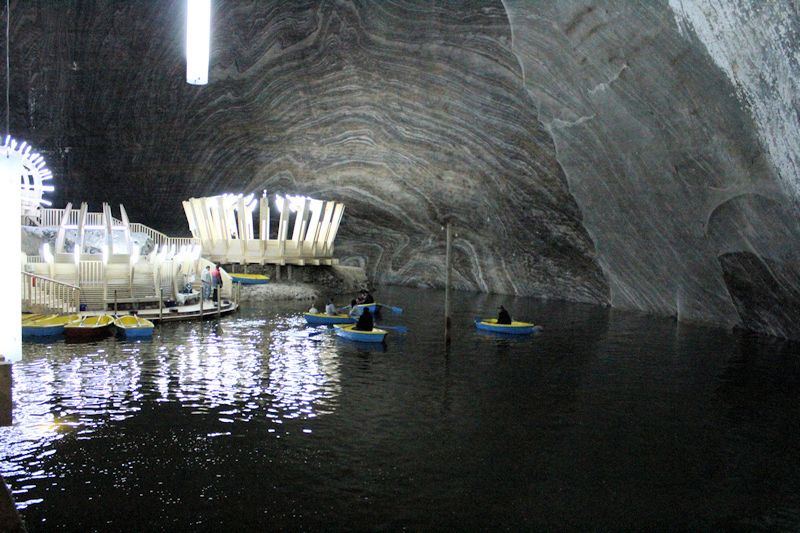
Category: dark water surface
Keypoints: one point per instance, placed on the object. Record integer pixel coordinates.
(606, 420)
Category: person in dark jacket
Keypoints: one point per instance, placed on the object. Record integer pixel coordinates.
(503, 317)
(365, 322)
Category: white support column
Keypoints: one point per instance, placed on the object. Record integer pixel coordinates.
(299, 221)
(283, 226)
(313, 226)
(249, 234)
(325, 225)
(334, 229)
(62, 230)
(11, 170)
(263, 218)
(81, 226)
(127, 228)
(191, 219)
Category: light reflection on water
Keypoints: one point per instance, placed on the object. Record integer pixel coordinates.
(234, 370)
(605, 420)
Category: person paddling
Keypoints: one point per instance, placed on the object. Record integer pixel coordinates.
(365, 322)
(503, 317)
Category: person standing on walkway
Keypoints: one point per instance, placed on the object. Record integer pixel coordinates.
(216, 281)
(205, 277)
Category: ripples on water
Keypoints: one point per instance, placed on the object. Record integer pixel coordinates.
(606, 420)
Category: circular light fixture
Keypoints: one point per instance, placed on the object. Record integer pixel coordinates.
(33, 174)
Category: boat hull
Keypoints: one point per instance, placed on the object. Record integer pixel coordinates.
(134, 327)
(42, 331)
(47, 326)
(89, 328)
(347, 332)
(249, 279)
(321, 319)
(132, 333)
(515, 328)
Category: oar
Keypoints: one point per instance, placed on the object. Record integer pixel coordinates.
(326, 329)
(399, 329)
(395, 310)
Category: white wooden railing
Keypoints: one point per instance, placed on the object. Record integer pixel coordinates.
(161, 239)
(52, 217)
(44, 295)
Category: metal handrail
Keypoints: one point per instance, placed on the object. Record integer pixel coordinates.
(40, 293)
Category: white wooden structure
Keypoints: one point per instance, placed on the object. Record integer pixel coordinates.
(116, 275)
(224, 227)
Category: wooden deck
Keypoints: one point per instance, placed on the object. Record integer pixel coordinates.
(182, 312)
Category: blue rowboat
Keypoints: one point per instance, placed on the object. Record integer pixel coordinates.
(515, 328)
(46, 325)
(131, 326)
(249, 279)
(347, 332)
(372, 307)
(321, 319)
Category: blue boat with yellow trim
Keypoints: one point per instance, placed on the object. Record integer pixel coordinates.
(515, 328)
(249, 279)
(321, 319)
(134, 326)
(347, 332)
(46, 325)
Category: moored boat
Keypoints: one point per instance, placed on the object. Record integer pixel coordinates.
(134, 326)
(47, 325)
(28, 317)
(249, 279)
(347, 332)
(515, 328)
(89, 327)
(321, 319)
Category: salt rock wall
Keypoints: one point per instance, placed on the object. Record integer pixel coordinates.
(665, 157)
(411, 113)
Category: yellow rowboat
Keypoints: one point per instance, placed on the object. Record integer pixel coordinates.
(515, 328)
(89, 327)
(27, 317)
(134, 326)
(347, 332)
(249, 279)
(46, 325)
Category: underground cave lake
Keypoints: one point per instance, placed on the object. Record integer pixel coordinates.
(604, 420)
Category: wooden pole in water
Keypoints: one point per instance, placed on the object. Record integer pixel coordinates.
(448, 259)
(6, 395)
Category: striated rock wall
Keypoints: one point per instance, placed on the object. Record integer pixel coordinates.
(660, 151)
(638, 153)
(411, 113)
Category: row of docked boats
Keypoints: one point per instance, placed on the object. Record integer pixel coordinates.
(75, 326)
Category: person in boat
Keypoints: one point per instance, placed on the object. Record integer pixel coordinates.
(206, 278)
(352, 310)
(365, 322)
(314, 310)
(189, 285)
(503, 317)
(360, 298)
(330, 307)
(368, 299)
